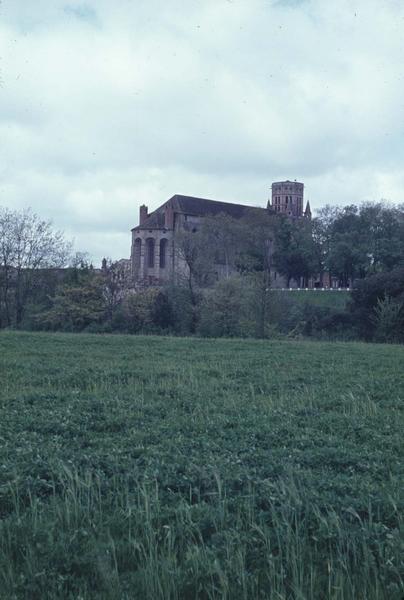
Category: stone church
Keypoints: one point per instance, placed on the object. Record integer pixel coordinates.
(154, 259)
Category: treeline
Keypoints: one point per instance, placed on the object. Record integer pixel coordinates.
(225, 287)
(356, 242)
(234, 307)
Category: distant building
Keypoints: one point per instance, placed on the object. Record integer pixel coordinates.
(154, 259)
(287, 199)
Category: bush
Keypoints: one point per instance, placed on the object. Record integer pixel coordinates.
(226, 310)
(388, 320)
(295, 318)
(375, 301)
(148, 311)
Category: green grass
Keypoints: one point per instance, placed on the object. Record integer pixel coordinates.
(328, 298)
(160, 468)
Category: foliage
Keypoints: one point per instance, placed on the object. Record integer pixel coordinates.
(370, 309)
(223, 236)
(27, 244)
(184, 309)
(226, 309)
(350, 245)
(296, 255)
(76, 306)
(312, 314)
(147, 311)
(356, 242)
(388, 319)
(150, 467)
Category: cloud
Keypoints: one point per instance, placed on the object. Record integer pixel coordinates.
(106, 105)
(83, 12)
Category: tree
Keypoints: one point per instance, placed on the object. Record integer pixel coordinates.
(228, 309)
(76, 304)
(376, 301)
(7, 257)
(197, 258)
(222, 233)
(115, 282)
(296, 255)
(383, 230)
(321, 231)
(388, 319)
(254, 262)
(27, 245)
(149, 310)
(356, 242)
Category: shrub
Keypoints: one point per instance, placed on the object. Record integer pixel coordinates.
(226, 310)
(388, 320)
(371, 316)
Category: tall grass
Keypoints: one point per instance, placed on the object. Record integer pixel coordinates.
(176, 469)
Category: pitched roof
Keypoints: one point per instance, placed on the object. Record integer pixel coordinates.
(189, 205)
(154, 221)
(202, 206)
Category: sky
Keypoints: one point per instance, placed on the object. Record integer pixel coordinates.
(107, 105)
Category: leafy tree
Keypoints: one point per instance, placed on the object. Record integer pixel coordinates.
(255, 261)
(388, 319)
(368, 295)
(148, 310)
(196, 259)
(322, 236)
(383, 228)
(355, 242)
(76, 305)
(296, 254)
(27, 245)
(227, 309)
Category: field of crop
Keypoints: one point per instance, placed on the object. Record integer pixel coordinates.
(160, 468)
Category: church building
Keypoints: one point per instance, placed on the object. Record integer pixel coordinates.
(154, 259)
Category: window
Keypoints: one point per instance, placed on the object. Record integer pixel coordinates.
(150, 253)
(163, 252)
(136, 254)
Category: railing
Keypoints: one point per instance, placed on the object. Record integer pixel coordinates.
(324, 289)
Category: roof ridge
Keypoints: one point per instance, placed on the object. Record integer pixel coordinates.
(210, 200)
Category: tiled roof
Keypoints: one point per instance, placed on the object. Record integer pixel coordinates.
(154, 221)
(189, 205)
(203, 207)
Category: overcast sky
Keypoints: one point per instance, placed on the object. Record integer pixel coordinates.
(109, 104)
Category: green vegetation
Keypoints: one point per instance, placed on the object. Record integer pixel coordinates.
(328, 299)
(226, 287)
(161, 468)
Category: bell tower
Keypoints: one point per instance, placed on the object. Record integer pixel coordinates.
(287, 198)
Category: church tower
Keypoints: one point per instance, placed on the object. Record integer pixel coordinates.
(287, 198)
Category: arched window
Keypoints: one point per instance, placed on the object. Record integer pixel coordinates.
(136, 254)
(150, 253)
(163, 253)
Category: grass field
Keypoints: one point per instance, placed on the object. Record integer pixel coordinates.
(328, 298)
(161, 468)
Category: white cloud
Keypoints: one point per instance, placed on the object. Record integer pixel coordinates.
(106, 105)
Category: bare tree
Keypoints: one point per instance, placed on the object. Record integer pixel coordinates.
(115, 278)
(27, 245)
(7, 257)
(224, 235)
(195, 256)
